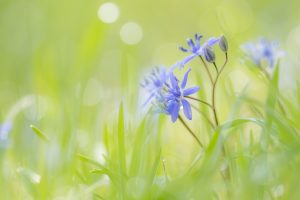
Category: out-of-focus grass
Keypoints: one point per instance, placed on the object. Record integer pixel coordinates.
(65, 72)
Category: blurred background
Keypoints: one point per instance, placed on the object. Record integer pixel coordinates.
(65, 66)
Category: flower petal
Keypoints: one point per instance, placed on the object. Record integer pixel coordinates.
(173, 109)
(187, 109)
(173, 80)
(191, 90)
(197, 40)
(212, 41)
(183, 49)
(190, 42)
(185, 77)
(187, 59)
(148, 99)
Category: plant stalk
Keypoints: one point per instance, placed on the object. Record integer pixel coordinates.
(190, 131)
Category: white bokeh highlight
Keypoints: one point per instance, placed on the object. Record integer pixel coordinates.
(108, 12)
(131, 33)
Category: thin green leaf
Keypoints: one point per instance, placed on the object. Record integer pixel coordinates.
(39, 133)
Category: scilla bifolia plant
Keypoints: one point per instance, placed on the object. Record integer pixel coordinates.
(169, 95)
(264, 54)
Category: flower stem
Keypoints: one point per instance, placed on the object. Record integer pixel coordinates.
(216, 67)
(204, 115)
(201, 101)
(214, 92)
(190, 131)
(269, 79)
(207, 70)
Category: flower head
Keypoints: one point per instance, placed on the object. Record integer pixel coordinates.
(175, 97)
(166, 95)
(195, 49)
(263, 51)
(155, 82)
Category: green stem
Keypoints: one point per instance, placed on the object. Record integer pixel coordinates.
(204, 115)
(216, 67)
(190, 131)
(214, 92)
(270, 78)
(201, 101)
(207, 70)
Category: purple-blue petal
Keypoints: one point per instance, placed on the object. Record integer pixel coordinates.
(183, 62)
(198, 37)
(191, 90)
(148, 99)
(183, 49)
(190, 43)
(185, 77)
(173, 109)
(188, 59)
(173, 80)
(212, 41)
(187, 109)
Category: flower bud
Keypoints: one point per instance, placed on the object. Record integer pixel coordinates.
(209, 54)
(223, 44)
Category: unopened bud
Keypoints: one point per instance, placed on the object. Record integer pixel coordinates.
(209, 54)
(223, 44)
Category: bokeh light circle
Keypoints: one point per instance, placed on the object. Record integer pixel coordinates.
(131, 33)
(108, 12)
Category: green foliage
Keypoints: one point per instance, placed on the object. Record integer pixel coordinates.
(66, 72)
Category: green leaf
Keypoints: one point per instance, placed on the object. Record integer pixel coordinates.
(39, 133)
(90, 161)
(121, 140)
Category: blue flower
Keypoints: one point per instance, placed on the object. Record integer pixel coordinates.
(156, 82)
(175, 98)
(263, 52)
(5, 128)
(195, 49)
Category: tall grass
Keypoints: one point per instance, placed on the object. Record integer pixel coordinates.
(69, 98)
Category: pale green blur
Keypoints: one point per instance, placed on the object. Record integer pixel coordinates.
(66, 72)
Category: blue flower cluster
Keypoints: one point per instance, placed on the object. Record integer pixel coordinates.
(263, 53)
(167, 95)
(166, 92)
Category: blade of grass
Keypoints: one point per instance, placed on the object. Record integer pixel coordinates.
(39, 133)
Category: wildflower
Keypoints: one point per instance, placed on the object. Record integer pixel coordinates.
(5, 129)
(156, 82)
(263, 52)
(175, 97)
(195, 49)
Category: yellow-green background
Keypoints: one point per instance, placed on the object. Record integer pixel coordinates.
(65, 71)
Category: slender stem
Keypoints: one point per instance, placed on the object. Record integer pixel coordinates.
(216, 67)
(190, 131)
(204, 115)
(201, 101)
(214, 92)
(269, 79)
(265, 73)
(165, 171)
(226, 174)
(207, 70)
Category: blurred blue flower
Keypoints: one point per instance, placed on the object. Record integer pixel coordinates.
(5, 128)
(195, 49)
(156, 82)
(263, 52)
(175, 97)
